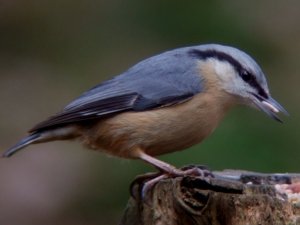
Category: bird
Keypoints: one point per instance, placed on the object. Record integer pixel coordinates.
(165, 103)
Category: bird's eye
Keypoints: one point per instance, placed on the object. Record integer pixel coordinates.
(246, 76)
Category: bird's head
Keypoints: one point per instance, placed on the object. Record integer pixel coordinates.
(239, 75)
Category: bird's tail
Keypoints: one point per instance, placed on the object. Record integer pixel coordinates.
(43, 136)
(32, 138)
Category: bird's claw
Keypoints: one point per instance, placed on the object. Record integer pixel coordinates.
(197, 170)
(146, 182)
(137, 185)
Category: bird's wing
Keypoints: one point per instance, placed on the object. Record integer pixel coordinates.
(160, 81)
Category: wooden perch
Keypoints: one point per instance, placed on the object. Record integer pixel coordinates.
(230, 198)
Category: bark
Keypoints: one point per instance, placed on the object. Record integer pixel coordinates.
(228, 198)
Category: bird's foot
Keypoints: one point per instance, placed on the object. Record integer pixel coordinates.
(146, 182)
(137, 185)
(197, 170)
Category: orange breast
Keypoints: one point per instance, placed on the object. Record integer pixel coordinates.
(166, 129)
(157, 131)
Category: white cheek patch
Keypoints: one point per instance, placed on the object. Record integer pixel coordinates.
(224, 70)
(227, 76)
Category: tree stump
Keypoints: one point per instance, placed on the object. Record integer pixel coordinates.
(228, 198)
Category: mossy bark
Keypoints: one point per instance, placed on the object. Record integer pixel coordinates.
(229, 198)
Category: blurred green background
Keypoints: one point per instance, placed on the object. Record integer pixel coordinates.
(52, 51)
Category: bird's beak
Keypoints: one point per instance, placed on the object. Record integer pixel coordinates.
(270, 106)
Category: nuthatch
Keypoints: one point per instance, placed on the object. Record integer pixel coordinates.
(163, 104)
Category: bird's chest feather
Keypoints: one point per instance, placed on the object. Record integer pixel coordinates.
(161, 130)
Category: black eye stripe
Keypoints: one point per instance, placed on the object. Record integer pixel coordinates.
(247, 76)
(218, 55)
(251, 80)
(244, 74)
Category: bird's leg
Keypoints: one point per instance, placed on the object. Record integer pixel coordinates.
(146, 181)
(166, 170)
(192, 170)
(161, 165)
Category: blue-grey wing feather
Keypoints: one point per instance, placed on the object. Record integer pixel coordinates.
(159, 81)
